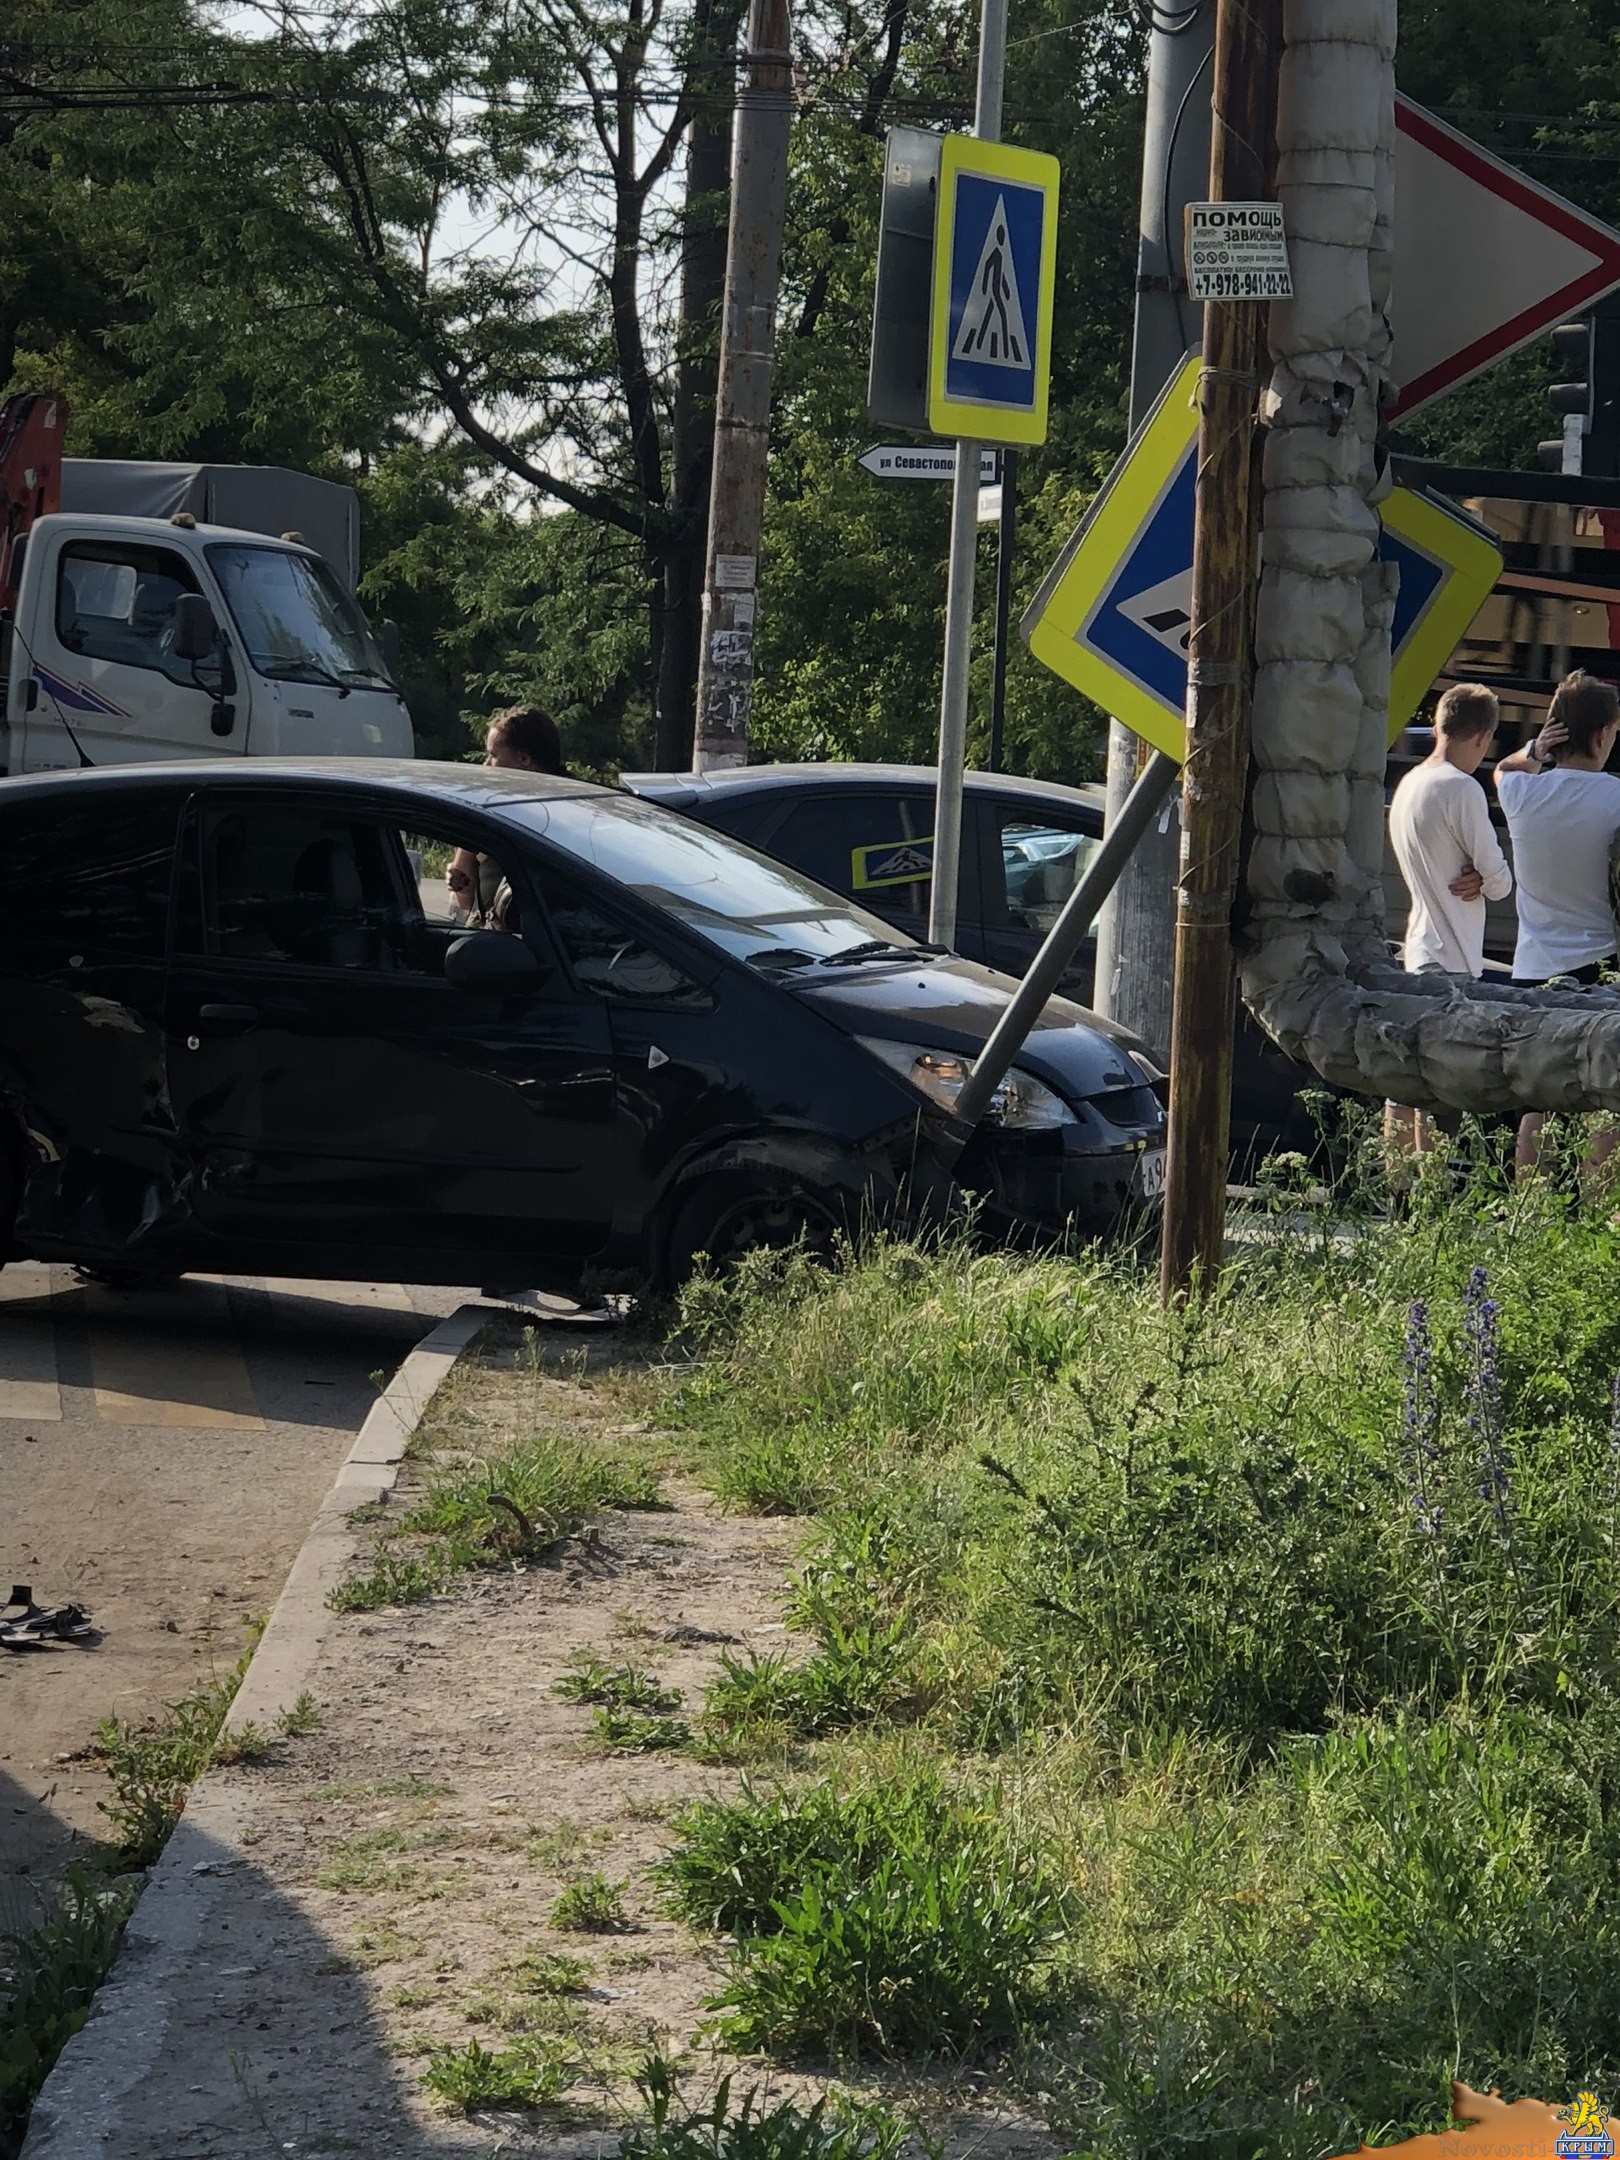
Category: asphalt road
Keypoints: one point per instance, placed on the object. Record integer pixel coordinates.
(162, 1455)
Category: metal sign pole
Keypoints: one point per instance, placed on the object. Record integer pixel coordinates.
(1007, 528)
(953, 700)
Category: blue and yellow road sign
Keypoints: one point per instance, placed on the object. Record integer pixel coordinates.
(1113, 617)
(995, 270)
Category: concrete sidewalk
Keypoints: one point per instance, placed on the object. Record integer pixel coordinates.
(227, 2026)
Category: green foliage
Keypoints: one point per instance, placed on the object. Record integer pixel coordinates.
(528, 2074)
(303, 1718)
(551, 1972)
(1324, 1763)
(498, 1510)
(153, 1766)
(899, 1919)
(282, 278)
(855, 1675)
(632, 1732)
(51, 1972)
(835, 2128)
(590, 1906)
(621, 1687)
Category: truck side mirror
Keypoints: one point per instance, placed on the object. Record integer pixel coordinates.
(194, 627)
(390, 648)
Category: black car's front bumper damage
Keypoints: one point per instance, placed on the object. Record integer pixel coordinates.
(1100, 1173)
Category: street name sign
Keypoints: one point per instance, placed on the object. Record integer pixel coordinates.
(1114, 616)
(1485, 260)
(921, 461)
(995, 271)
(1237, 251)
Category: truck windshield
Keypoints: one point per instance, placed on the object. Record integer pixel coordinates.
(295, 619)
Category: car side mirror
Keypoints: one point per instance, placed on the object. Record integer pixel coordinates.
(390, 648)
(194, 627)
(491, 960)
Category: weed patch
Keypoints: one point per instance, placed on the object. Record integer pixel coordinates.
(834, 2128)
(527, 2074)
(897, 1920)
(616, 1687)
(503, 1509)
(52, 1972)
(1292, 1609)
(591, 1906)
(153, 1766)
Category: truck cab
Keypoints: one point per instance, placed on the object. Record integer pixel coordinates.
(138, 623)
(98, 674)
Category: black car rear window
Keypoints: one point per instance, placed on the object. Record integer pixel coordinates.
(90, 879)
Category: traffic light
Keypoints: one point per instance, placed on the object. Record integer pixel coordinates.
(1589, 400)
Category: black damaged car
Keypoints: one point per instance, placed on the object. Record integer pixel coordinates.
(241, 1030)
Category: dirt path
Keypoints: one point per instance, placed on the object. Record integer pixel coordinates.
(403, 1861)
(161, 1456)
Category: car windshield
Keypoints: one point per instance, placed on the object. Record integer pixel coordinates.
(752, 908)
(297, 622)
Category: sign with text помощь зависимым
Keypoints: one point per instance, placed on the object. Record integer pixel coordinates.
(1237, 251)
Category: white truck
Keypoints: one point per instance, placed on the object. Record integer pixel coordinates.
(162, 611)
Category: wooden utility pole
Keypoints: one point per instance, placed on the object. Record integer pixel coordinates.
(759, 161)
(1248, 54)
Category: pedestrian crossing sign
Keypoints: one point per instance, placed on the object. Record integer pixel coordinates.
(995, 264)
(1114, 616)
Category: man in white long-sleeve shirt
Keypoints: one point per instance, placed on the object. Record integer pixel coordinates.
(1440, 829)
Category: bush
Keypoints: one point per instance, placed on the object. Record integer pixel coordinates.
(897, 1919)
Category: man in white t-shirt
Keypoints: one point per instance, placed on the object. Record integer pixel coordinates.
(1563, 811)
(1440, 830)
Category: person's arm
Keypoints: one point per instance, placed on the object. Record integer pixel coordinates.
(1536, 755)
(1483, 849)
(461, 876)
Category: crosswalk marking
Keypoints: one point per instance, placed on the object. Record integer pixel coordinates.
(28, 1385)
(157, 1366)
(157, 1358)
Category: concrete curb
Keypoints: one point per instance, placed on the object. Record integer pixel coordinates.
(76, 2114)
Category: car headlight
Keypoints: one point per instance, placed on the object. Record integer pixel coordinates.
(1022, 1103)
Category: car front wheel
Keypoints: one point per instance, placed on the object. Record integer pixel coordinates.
(740, 1212)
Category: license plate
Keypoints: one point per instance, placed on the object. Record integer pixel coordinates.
(1150, 1174)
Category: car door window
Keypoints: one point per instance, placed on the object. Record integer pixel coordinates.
(877, 848)
(1040, 860)
(318, 886)
(115, 601)
(90, 883)
(614, 958)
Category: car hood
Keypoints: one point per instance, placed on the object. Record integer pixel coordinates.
(953, 1004)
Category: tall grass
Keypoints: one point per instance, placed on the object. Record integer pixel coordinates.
(1280, 1634)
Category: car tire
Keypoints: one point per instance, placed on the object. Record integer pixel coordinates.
(736, 1212)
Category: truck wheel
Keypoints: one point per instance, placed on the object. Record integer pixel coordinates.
(737, 1212)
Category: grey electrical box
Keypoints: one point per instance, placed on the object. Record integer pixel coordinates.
(897, 386)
